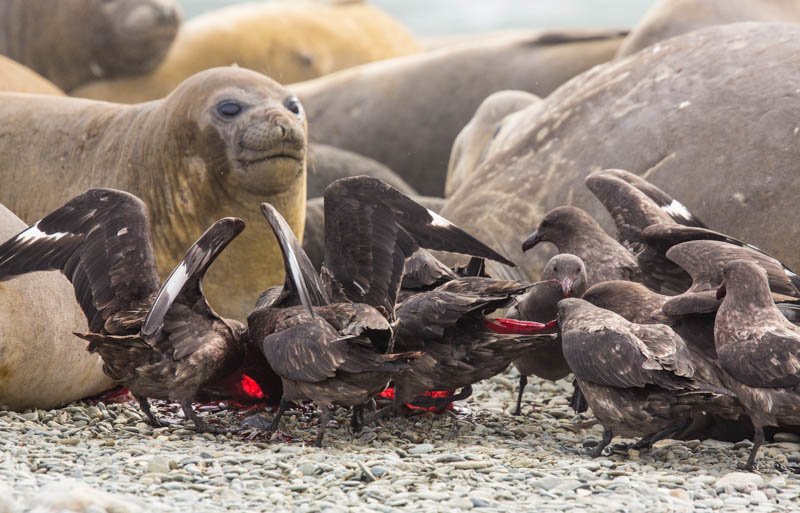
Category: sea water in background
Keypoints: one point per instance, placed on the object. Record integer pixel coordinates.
(440, 17)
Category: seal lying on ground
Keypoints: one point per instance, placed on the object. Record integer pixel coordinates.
(472, 141)
(669, 18)
(664, 116)
(288, 41)
(406, 112)
(326, 164)
(42, 364)
(72, 42)
(220, 144)
(16, 78)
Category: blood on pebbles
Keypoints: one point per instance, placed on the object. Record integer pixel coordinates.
(104, 458)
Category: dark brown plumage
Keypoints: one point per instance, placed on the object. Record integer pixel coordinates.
(634, 204)
(332, 354)
(638, 379)
(704, 260)
(720, 249)
(462, 345)
(573, 231)
(160, 343)
(371, 229)
(638, 304)
(563, 276)
(759, 348)
(625, 203)
(338, 348)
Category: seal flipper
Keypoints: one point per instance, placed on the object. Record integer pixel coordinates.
(184, 282)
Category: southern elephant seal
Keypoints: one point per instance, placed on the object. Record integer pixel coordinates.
(222, 143)
(406, 112)
(71, 42)
(327, 164)
(470, 145)
(42, 364)
(288, 41)
(669, 18)
(16, 78)
(710, 117)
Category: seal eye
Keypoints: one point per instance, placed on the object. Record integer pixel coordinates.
(293, 104)
(229, 108)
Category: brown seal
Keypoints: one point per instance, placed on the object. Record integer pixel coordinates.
(406, 112)
(327, 164)
(669, 18)
(288, 41)
(661, 115)
(72, 42)
(470, 145)
(42, 364)
(222, 143)
(16, 78)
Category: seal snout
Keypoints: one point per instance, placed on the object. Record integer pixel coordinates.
(147, 18)
(273, 136)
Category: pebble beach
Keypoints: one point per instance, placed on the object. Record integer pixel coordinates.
(104, 458)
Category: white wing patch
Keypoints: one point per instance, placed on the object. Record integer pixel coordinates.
(175, 282)
(294, 267)
(677, 209)
(122, 232)
(363, 292)
(439, 220)
(34, 233)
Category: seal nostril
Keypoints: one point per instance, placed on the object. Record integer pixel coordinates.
(166, 15)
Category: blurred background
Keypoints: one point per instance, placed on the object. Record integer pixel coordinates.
(438, 17)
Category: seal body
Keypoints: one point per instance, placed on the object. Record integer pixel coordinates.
(221, 144)
(71, 42)
(406, 112)
(16, 78)
(473, 140)
(288, 41)
(42, 364)
(669, 18)
(327, 164)
(666, 116)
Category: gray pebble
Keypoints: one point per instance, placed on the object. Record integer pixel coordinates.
(420, 449)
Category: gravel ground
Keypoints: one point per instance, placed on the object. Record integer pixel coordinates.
(97, 458)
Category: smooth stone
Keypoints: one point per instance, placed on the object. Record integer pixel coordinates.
(420, 449)
(787, 437)
(680, 494)
(740, 481)
(736, 501)
(307, 469)
(479, 503)
(462, 503)
(158, 464)
(757, 497)
(777, 482)
(547, 483)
